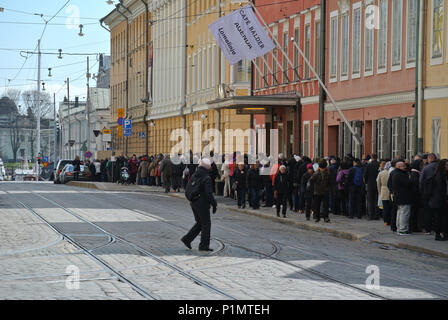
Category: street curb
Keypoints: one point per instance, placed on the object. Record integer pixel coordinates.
(410, 247)
(301, 225)
(82, 185)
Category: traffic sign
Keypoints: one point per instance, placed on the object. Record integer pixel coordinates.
(120, 121)
(88, 154)
(45, 159)
(120, 131)
(120, 112)
(127, 132)
(127, 124)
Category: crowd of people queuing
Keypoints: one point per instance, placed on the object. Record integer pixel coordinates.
(409, 196)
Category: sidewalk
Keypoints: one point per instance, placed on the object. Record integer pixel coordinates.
(341, 227)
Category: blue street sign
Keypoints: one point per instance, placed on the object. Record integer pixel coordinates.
(127, 132)
(45, 159)
(127, 124)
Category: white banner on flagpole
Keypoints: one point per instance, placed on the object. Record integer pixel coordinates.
(241, 36)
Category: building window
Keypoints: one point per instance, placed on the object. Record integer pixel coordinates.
(209, 67)
(395, 132)
(243, 74)
(285, 61)
(356, 148)
(274, 62)
(410, 138)
(334, 45)
(257, 74)
(204, 69)
(356, 44)
(194, 72)
(296, 53)
(380, 139)
(397, 32)
(411, 34)
(436, 135)
(307, 50)
(189, 75)
(317, 51)
(382, 35)
(437, 29)
(368, 50)
(344, 44)
(198, 70)
(265, 69)
(315, 139)
(306, 139)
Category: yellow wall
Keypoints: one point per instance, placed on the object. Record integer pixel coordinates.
(137, 81)
(435, 76)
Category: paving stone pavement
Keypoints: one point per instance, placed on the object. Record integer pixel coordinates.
(253, 259)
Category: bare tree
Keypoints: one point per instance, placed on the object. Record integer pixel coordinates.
(15, 134)
(32, 99)
(15, 95)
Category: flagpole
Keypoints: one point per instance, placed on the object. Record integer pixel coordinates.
(355, 137)
(258, 69)
(269, 68)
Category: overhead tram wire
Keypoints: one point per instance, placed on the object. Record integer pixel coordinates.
(45, 15)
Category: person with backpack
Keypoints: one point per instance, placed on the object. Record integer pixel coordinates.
(427, 173)
(355, 184)
(200, 194)
(438, 200)
(341, 180)
(307, 190)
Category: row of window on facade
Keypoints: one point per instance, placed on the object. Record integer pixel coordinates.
(383, 45)
(270, 64)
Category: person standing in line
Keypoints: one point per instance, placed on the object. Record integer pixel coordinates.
(166, 170)
(341, 180)
(394, 208)
(201, 207)
(143, 171)
(355, 185)
(306, 188)
(240, 177)
(427, 173)
(254, 182)
(281, 188)
(321, 188)
(225, 174)
(402, 191)
(133, 168)
(92, 170)
(383, 191)
(438, 200)
(416, 168)
(335, 205)
(370, 174)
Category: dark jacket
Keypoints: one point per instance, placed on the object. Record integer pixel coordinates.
(241, 178)
(439, 192)
(321, 182)
(333, 175)
(206, 199)
(254, 180)
(76, 165)
(402, 187)
(416, 196)
(351, 177)
(427, 172)
(370, 174)
(281, 183)
(307, 191)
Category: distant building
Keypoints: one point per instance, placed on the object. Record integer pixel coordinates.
(103, 76)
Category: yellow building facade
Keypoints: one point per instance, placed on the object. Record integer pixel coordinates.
(128, 74)
(435, 111)
(207, 78)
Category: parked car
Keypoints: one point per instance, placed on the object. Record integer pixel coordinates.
(58, 170)
(67, 173)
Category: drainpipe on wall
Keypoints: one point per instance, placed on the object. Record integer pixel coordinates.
(127, 68)
(322, 95)
(419, 77)
(147, 76)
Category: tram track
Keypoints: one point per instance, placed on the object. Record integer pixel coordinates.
(116, 238)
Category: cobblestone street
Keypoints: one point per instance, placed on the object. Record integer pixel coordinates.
(126, 245)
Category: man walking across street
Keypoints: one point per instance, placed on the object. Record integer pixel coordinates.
(201, 206)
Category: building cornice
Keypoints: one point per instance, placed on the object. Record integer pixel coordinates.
(436, 93)
(373, 101)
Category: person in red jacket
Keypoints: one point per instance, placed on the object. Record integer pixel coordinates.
(133, 168)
